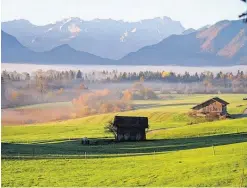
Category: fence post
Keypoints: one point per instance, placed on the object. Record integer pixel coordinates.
(213, 149)
(242, 179)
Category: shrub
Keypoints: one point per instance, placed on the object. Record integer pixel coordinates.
(109, 128)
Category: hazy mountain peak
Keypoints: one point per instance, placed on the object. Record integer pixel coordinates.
(93, 36)
(224, 43)
(204, 27)
(166, 18)
(223, 22)
(189, 31)
(221, 44)
(21, 21)
(18, 24)
(63, 47)
(58, 55)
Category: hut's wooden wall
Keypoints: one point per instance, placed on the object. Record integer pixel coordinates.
(215, 107)
(130, 134)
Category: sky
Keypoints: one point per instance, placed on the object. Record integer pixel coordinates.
(191, 13)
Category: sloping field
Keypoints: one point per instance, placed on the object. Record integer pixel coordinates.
(177, 152)
(194, 167)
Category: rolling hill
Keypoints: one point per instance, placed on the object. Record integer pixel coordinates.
(208, 154)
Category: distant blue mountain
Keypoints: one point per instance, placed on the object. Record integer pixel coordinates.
(188, 31)
(224, 43)
(13, 51)
(102, 37)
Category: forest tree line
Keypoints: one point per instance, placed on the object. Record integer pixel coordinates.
(237, 82)
(115, 76)
(54, 86)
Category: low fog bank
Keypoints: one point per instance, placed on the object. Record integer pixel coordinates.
(35, 90)
(22, 67)
(101, 92)
(84, 100)
(29, 92)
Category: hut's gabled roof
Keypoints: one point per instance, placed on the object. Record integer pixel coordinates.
(131, 121)
(208, 102)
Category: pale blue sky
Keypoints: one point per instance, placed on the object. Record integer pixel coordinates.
(191, 13)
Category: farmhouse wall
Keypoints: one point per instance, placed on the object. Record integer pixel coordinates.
(213, 107)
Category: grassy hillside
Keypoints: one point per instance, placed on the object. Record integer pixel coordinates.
(176, 153)
(195, 167)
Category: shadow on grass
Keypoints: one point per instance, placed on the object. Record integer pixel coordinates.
(238, 116)
(104, 147)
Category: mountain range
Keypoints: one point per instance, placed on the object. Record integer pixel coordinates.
(224, 43)
(14, 51)
(102, 37)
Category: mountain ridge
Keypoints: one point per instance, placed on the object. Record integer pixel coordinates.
(93, 36)
(14, 51)
(222, 44)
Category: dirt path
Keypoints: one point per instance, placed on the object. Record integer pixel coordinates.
(245, 111)
(155, 130)
(243, 115)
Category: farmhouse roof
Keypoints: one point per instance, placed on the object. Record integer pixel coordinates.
(208, 102)
(131, 122)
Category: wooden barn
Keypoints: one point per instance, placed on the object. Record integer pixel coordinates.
(130, 128)
(212, 106)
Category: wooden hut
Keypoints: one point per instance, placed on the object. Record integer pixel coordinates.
(130, 128)
(212, 106)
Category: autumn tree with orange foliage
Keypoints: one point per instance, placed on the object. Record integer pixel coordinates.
(127, 95)
(60, 91)
(139, 91)
(100, 101)
(14, 95)
(82, 86)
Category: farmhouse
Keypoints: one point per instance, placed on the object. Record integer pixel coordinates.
(130, 128)
(212, 106)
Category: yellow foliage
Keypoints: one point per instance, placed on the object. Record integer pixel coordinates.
(127, 95)
(14, 95)
(165, 74)
(60, 91)
(100, 101)
(142, 79)
(82, 87)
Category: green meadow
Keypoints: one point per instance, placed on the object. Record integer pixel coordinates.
(180, 150)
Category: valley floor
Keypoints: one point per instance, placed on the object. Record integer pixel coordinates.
(180, 151)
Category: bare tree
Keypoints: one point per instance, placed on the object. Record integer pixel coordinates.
(3, 91)
(109, 128)
(244, 15)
